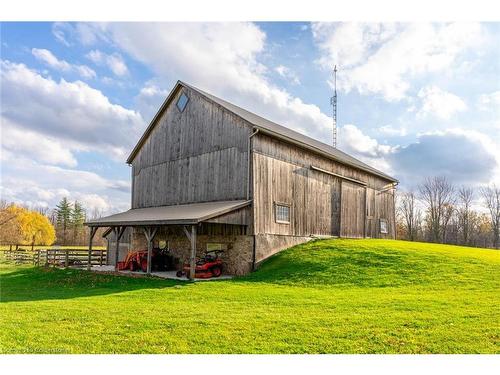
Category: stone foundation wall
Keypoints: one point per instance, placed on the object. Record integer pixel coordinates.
(270, 244)
(237, 259)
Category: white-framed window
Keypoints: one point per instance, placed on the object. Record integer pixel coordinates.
(182, 102)
(282, 213)
(383, 226)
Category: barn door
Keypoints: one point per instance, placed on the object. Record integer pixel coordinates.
(352, 210)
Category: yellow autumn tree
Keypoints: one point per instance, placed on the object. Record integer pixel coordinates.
(10, 227)
(36, 229)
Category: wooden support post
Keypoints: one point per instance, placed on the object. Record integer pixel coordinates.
(38, 257)
(115, 233)
(150, 251)
(192, 261)
(66, 259)
(100, 258)
(91, 237)
(149, 233)
(118, 231)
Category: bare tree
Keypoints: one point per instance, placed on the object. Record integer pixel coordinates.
(410, 214)
(491, 196)
(465, 198)
(448, 213)
(96, 213)
(437, 193)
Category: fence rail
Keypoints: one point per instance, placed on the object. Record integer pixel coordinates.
(56, 257)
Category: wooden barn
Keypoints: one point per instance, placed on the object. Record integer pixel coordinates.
(207, 174)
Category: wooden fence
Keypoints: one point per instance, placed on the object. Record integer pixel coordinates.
(56, 257)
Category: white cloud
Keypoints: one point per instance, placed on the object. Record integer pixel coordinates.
(117, 65)
(35, 145)
(385, 58)
(114, 61)
(149, 100)
(49, 59)
(489, 102)
(37, 184)
(464, 156)
(354, 141)
(96, 56)
(392, 131)
(367, 149)
(220, 58)
(85, 71)
(439, 103)
(84, 33)
(59, 30)
(288, 74)
(72, 112)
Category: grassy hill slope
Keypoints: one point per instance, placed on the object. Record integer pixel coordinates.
(328, 296)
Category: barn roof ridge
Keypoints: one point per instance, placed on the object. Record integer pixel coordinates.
(266, 126)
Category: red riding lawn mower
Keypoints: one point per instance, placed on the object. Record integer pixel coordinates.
(207, 267)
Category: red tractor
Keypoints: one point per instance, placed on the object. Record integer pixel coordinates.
(207, 267)
(161, 260)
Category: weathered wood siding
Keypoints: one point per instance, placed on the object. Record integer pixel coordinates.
(197, 155)
(321, 204)
(352, 217)
(278, 181)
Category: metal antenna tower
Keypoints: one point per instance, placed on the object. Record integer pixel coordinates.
(333, 102)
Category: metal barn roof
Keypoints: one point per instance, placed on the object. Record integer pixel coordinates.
(179, 214)
(268, 127)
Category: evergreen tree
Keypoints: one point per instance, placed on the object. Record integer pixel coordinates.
(77, 220)
(64, 214)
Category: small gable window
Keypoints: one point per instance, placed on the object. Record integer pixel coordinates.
(182, 102)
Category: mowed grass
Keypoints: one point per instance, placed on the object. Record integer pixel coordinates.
(326, 296)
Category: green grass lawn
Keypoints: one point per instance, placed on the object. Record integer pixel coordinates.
(328, 296)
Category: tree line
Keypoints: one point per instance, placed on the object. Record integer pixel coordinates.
(438, 211)
(63, 225)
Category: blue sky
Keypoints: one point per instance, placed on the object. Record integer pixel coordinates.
(415, 100)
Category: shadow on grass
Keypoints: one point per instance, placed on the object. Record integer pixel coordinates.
(18, 283)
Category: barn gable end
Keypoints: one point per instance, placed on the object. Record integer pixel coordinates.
(197, 155)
